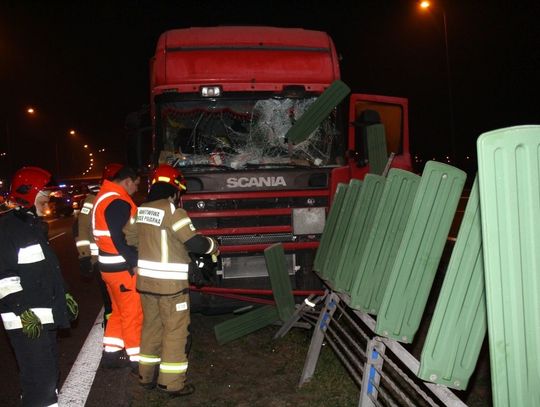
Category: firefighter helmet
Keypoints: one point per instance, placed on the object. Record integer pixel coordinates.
(27, 183)
(110, 171)
(170, 175)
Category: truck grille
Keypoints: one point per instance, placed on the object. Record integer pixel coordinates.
(239, 204)
(237, 222)
(255, 239)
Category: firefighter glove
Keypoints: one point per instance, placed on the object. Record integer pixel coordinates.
(31, 324)
(85, 266)
(72, 307)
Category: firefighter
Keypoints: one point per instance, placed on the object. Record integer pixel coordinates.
(33, 298)
(113, 214)
(86, 245)
(165, 236)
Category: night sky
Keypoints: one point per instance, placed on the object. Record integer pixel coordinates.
(85, 66)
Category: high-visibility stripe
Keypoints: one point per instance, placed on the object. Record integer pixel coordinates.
(12, 321)
(173, 208)
(149, 359)
(134, 358)
(88, 205)
(173, 367)
(133, 351)
(180, 224)
(10, 285)
(111, 259)
(112, 341)
(101, 198)
(81, 243)
(52, 405)
(30, 254)
(94, 251)
(212, 246)
(163, 275)
(164, 247)
(98, 233)
(156, 265)
(112, 349)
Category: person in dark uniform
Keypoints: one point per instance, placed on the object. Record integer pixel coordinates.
(33, 298)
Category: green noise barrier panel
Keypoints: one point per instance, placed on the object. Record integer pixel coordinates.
(245, 324)
(317, 112)
(458, 325)
(509, 173)
(326, 237)
(377, 150)
(337, 238)
(371, 269)
(276, 265)
(359, 223)
(420, 251)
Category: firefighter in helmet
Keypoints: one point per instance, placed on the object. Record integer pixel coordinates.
(166, 236)
(86, 245)
(33, 298)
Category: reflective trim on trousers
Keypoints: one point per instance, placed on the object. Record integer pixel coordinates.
(12, 321)
(149, 360)
(173, 367)
(110, 341)
(81, 243)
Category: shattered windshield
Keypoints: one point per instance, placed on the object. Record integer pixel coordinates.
(240, 133)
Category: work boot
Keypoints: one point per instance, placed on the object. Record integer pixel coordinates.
(185, 391)
(114, 360)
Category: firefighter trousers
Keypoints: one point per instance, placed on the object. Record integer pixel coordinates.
(164, 340)
(38, 366)
(125, 323)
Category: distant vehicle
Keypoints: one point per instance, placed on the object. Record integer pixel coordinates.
(78, 195)
(60, 203)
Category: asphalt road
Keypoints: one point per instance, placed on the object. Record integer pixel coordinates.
(70, 341)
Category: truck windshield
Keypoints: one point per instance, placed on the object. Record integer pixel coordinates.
(225, 133)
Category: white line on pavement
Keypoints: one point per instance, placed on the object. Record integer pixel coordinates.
(77, 386)
(58, 235)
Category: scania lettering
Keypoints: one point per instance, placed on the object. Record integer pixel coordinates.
(244, 182)
(222, 101)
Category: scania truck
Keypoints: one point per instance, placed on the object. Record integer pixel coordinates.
(222, 102)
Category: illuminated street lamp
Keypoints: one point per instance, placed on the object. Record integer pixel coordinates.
(425, 5)
(72, 132)
(30, 110)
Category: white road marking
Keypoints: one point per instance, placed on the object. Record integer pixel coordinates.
(58, 235)
(77, 386)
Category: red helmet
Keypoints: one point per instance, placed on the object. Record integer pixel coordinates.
(110, 171)
(170, 175)
(26, 184)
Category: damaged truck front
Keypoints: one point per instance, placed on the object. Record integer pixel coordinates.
(222, 102)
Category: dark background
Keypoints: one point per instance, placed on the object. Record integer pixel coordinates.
(85, 67)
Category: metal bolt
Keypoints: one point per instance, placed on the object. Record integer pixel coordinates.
(457, 383)
(433, 377)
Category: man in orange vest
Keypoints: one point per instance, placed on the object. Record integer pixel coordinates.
(113, 211)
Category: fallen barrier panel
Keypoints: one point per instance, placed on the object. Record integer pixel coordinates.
(509, 174)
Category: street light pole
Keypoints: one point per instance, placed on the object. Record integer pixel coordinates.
(426, 5)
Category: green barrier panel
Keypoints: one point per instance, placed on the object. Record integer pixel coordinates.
(276, 265)
(376, 146)
(329, 227)
(340, 230)
(245, 324)
(420, 251)
(509, 173)
(459, 323)
(317, 112)
(372, 268)
(359, 223)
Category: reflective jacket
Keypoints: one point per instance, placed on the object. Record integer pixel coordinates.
(163, 258)
(84, 237)
(110, 258)
(30, 276)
